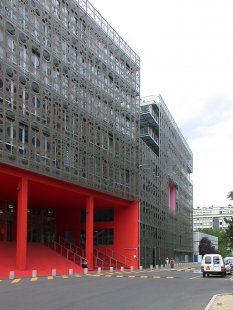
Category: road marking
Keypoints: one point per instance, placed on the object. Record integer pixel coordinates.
(77, 276)
(50, 277)
(156, 277)
(108, 276)
(118, 276)
(15, 281)
(169, 277)
(131, 276)
(33, 279)
(196, 277)
(144, 277)
(64, 277)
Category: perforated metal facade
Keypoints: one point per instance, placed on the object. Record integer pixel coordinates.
(69, 109)
(69, 95)
(166, 230)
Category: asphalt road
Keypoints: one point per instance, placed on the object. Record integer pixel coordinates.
(162, 290)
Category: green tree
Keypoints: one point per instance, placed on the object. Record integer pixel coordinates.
(229, 232)
(222, 239)
(230, 195)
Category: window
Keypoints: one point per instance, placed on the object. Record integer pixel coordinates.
(208, 260)
(103, 236)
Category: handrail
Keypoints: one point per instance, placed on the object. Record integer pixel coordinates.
(113, 255)
(74, 247)
(69, 254)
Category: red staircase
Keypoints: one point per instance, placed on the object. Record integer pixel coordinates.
(39, 257)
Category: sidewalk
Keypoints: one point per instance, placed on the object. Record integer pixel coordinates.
(221, 302)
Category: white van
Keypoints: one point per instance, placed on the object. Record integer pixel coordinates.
(213, 264)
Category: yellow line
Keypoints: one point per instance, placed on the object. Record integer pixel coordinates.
(77, 276)
(64, 277)
(108, 276)
(119, 276)
(143, 277)
(156, 277)
(50, 277)
(169, 277)
(131, 276)
(34, 279)
(15, 281)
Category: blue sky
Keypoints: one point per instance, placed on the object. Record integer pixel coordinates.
(186, 51)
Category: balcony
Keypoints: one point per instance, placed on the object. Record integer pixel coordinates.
(149, 136)
(149, 116)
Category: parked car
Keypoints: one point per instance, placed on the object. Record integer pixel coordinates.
(213, 264)
(228, 264)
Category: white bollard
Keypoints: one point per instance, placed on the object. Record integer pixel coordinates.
(131, 268)
(157, 267)
(111, 269)
(85, 270)
(71, 272)
(151, 267)
(54, 272)
(161, 266)
(140, 268)
(11, 275)
(122, 269)
(99, 270)
(34, 273)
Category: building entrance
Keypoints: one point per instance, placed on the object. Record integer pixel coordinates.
(41, 225)
(7, 219)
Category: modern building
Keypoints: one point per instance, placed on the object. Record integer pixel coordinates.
(211, 217)
(197, 236)
(166, 190)
(73, 168)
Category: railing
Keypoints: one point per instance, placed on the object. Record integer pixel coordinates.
(67, 253)
(112, 258)
(72, 247)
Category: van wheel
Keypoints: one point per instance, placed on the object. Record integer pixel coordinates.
(224, 274)
(208, 275)
(203, 274)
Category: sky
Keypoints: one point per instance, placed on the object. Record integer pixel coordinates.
(186, 52)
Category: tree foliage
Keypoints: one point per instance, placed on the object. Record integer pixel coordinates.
(229, 232)
(206, 247)
(222, 239)
(230, 195)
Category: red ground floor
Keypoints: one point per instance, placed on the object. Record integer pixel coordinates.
(36, 209)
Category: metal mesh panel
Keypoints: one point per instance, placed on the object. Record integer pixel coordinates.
(164, 232)
(69, 95)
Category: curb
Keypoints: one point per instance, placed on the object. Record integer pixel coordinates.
(211, 302)
(213, 299)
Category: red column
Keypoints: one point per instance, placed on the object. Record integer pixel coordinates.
(135, 205)
(22, 206)
(89, 231)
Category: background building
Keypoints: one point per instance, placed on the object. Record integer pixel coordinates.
(211, 217)
(166, 193)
